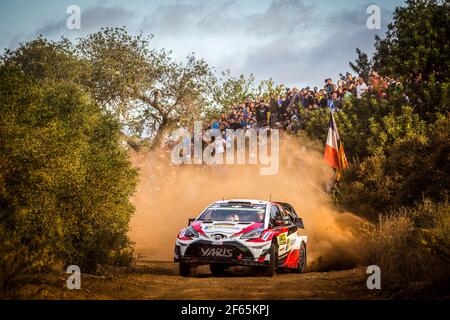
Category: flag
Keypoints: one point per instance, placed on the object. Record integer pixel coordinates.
(342, 161)
(342, 158)
(331, 155)
(334, 149)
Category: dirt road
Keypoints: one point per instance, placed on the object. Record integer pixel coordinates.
(160, 280)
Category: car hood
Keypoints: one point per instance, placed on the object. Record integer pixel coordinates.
(226, 228)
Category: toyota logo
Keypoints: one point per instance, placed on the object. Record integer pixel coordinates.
(218, 236)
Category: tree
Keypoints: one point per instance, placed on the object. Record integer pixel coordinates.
(42, 59)
(267, 89)
(362, 65)
(413, 166)
(416, 42)
(65, 178)
(147, 89)
(233, 90)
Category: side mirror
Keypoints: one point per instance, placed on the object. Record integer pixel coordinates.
(299, 223)
(190, 221)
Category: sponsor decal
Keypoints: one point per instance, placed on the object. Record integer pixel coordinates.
(282, 238)
(197, 227)
(218, 236)
(217, 252)
(266, 235)
(222, 226)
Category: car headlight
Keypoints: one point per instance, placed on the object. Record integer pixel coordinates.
(254, 234)
(190, 232)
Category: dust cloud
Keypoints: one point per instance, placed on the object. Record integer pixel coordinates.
(168, 195)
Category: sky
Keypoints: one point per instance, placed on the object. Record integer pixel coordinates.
(295, 42)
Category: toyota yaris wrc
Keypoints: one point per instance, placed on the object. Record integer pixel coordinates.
(262, 234)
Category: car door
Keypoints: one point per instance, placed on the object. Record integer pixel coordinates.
(282, 231)
(292, 237)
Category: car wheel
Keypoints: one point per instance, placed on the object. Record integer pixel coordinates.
(185, 269)
(301, 267)
(217, 269)
(269, 271)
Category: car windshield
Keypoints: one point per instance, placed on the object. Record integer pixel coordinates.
(235, 213)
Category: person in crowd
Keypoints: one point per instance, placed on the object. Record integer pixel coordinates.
(347, 95)
(334, 103)
(361, 88)
(219, 147)
(350, 83)
(273, 110)
(329, 87)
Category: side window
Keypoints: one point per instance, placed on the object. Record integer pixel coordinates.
(274, 215)
(286, 217)
(207, 215)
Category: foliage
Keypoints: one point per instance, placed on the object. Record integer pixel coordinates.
(362, 65)
(409, 249)
(233, 90)
(65, 178)
(42, 60)
(437, 238)
(416, 42)
(144, 88)
(401, 172)
(399, 146)
(149, 90)
(267, 89)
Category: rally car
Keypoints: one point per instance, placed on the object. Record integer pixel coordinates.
(262, 234)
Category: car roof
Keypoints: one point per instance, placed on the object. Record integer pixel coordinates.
(252, 201)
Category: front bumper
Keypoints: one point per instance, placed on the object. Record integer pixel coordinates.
(228, 261)
(242, 255)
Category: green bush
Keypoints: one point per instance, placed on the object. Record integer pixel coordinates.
(20, 262)
(412, 166)
(411, 245)
(65, 177)
(434, 223)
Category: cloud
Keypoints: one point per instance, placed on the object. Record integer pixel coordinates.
(283, 17)
(222, 17)
(187, 17)
(308, 56)
(92, 18)
(289, 40)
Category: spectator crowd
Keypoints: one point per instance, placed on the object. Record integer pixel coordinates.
(283, 111)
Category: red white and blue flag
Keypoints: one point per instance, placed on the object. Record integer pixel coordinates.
(334, 154)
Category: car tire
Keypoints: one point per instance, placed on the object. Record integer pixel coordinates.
(185, 269)
(269, 271)
(217, 269)
(301, 266)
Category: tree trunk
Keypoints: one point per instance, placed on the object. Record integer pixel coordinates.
(158, 139)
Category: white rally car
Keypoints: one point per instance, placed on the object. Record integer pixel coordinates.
(262, 234)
